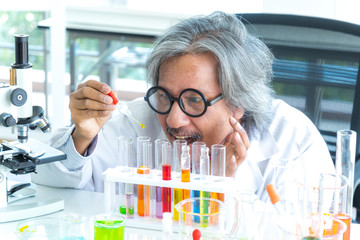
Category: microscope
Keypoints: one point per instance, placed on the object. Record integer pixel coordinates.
(18, 113)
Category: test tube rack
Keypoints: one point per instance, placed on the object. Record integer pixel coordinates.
(128, 175)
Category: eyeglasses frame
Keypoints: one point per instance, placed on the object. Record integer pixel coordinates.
(173, 99)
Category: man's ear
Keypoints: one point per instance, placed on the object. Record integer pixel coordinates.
(238, 114)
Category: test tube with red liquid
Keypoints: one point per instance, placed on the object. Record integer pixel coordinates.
(158, 172)
(166, 175)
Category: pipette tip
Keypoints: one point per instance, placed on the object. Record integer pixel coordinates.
(127, 113)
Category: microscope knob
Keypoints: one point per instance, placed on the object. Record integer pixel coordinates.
(7, 120)
(18, 97)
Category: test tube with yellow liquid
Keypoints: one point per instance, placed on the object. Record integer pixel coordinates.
(218, 166)
(185, 177)
(177, 196)
(143, 168)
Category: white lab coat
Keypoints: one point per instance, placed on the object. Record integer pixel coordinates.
(291, 136)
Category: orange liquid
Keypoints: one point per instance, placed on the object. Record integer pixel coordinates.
(215, 208)
(143, 203)
(347, 220)
(143, 170)
(143, 200)
(185, 175)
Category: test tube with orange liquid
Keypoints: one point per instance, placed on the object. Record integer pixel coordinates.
(143, 167)
(218, 166)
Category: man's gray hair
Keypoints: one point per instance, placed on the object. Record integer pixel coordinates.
(244, 62)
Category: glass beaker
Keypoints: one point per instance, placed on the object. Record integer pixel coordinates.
(74, 227)
(303, 229)
(244, 216)
(110, 227)
(188, 218)
(309, 201)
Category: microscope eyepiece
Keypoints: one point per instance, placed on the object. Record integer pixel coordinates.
(21, 52)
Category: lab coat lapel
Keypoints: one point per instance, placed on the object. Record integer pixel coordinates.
(249, 175)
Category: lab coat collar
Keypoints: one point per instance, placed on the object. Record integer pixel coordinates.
(249, 175)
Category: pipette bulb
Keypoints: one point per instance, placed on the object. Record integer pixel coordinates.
(196, 234)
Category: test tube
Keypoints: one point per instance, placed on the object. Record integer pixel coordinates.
(158, 171)
(185, 177)
(185, 164)
(158, 155)
(195, 170)
(218, 166)
(143, 168)
(139, 148)
(158, 168)
(195, 156)
(124, 153)
(166, 171)
(129, 190)
(218, 160)
(344, 165)
(177, 148)
(204, 174)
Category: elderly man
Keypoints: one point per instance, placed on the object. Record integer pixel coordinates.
(211, 82)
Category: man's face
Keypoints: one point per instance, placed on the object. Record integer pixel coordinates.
(198, 72)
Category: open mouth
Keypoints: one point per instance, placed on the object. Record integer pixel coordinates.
(188, 138)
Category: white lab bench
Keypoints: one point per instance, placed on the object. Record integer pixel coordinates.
(91, 204)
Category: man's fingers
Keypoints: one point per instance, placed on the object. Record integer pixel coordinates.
(92, 114)
(238, 128)
(88, 104)
(99, 86)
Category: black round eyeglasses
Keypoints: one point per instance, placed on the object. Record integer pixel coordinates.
(191, 101)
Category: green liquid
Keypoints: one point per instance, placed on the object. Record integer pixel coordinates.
(204, 208)
(310, 238)
(123, 209)
(131, 211)
(109, 230)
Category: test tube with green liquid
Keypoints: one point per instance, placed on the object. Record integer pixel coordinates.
(204, 174)
(129, 193)
(125, 156)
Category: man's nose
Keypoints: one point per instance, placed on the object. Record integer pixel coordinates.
(176, 118)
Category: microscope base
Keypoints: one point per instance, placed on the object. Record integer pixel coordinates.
(29, 210)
